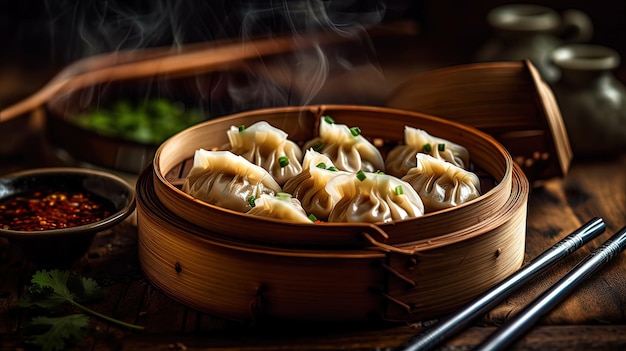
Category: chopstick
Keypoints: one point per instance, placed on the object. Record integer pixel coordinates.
(524, 320)
(190, 59)
(453, 324)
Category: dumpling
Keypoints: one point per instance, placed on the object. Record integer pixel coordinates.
(346, 147)
(402, 158)
(441, 184)
(224, 179)
(373, 198)
(268, 147)
(279, 206)
(310, 185)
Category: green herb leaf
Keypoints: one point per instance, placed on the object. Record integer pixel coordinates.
(49, 289)
(283, 161)
(318, 146)
(398, 190)
(356, 131)
(59, 331)
(360, 175)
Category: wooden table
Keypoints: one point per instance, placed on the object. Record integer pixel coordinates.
(593, 318)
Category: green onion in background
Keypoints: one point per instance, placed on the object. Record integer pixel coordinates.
(151, 121)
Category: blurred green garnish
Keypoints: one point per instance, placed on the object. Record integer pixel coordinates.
(150, 121)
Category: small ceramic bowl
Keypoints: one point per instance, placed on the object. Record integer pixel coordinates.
(71, 242)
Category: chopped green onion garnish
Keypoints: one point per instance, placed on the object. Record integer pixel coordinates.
(360, 175)
(333, 168)
(312, 217)
(329, 120)
(251, 201)
(356, 131)
(318, 146)
(399, 190)
(242, 128)
(379, 172)
(441, 147)
(283, 161)
(321, 165)
(427, 147)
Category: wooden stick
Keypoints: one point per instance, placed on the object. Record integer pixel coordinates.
(194, 58)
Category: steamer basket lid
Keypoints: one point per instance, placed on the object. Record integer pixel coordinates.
(507, 100)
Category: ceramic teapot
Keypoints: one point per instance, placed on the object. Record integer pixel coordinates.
(591, 99)
(528, 31)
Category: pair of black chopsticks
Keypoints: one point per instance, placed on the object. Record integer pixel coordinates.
(514, 328)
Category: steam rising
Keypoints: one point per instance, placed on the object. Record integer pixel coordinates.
(89, 27)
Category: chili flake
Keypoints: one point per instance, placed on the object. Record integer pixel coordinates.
(38, 211)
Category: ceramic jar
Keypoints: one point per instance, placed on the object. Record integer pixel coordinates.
(591, 99)
(527, 31)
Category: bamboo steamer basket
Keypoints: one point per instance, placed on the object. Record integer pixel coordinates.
(255, 269)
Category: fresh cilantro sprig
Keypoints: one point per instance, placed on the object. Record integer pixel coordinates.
(49, 289)
(58, 330)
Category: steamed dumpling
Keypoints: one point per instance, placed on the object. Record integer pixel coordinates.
(268, 147)
(310, 185)
(402, 158)
(346, 147)
(373, 198)
(441, 184)
(224, 179)
(280, 206)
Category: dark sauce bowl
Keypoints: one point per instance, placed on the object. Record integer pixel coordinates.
(70, 243)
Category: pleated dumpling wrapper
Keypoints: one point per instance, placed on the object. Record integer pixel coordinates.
(441, 184)
(280, 206)
(266, 146)
(310, 185)
(227, 180)
(346, 147)
(373, 198)
(402, 157)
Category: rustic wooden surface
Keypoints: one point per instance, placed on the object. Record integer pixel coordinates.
(592, 318)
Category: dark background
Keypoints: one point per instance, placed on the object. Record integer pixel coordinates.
(46, 35)
(56, 32)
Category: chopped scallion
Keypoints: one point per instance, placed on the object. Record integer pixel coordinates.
(329, 120)
(398, 190)
(360, 175)
(427, 147)
(318, 146)
(333, 168)
(242, 128)
(312, 217)
(356, 131)
(441, 147)
(251, 201)
(321, 165)
(283, 161)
